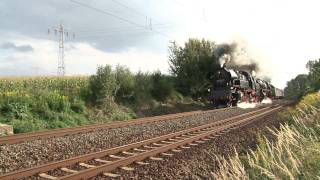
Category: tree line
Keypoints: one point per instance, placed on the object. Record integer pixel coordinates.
(303, 84)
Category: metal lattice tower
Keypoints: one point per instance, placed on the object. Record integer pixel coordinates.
(61, 65)
(61, 32)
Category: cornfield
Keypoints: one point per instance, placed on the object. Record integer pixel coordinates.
(70, 86)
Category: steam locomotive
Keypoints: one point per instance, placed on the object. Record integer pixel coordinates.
(230, 87)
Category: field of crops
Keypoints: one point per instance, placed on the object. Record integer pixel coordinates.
(36, 103)
(64, 85)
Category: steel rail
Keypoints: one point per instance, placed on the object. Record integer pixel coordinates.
(204, 130)
(23, 137)
(91, 172)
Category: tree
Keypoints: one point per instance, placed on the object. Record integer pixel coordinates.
(297, 87)
(303, 83)
(314, 74)
(192, 65)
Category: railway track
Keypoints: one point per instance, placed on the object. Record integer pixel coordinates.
(104, 162)
(23, 137)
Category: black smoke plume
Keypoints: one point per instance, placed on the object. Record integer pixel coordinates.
(233, 57)
(224, 49)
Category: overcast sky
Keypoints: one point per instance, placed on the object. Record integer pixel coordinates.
(282, 35)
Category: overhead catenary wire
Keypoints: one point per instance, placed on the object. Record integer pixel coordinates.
(112, 36)
(120, 29)
(108, 33)
(133, 10)
(117, 17)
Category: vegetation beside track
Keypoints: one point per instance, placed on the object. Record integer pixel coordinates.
(38, 103)
(290, 152)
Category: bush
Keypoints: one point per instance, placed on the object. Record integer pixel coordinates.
(103, 86)
(162, 86)
(30, 125)
(15, 110)
(125, 85)
(142, 89)
(58, 102)
(78, 106)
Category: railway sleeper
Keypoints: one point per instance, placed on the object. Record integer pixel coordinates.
(68, 170)
(156, 158)
(141, 163)
(174, 140)
(115, 157)
(185, 147)
(86, 165)
(180, 138)
(166, 142)
(193, 144)
(128, 153)
(102, 161)
(176, 150)
(127, 168)
(112, 175)
(149, 147)
(166, 154)
(47, 176)
(139, 150)
(157, 144)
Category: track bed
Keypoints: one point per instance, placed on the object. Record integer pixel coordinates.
(206, 120)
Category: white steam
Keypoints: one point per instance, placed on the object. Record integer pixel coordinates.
(246, 105)
(253, 73)
(266, 101)
(224, 59)
(246, 54)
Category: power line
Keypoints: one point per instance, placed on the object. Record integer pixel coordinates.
(118, 17)
(136, 33)
(135, 11)
(121, 31)
(121, 28)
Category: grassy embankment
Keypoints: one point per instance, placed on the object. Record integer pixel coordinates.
(293, 151)
(38, 103)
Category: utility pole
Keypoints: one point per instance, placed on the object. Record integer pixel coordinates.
(61, 32)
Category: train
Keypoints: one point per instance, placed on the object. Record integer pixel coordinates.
(230, 87)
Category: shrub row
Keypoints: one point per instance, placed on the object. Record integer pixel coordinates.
(55, 102)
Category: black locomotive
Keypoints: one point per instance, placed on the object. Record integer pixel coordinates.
(229, 87)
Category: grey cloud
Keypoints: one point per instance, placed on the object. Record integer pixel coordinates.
(20, 48)
(13, 66)
(34, 17)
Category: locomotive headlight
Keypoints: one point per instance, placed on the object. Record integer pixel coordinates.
(209, 89)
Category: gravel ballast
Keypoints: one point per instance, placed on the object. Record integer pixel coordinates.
(199, 161)
(28, 154)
